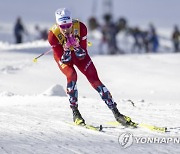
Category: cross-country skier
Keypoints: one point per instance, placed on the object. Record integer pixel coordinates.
(68, 39)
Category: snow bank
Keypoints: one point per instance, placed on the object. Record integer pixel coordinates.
(7, 93)
(55, 90)
(27, 45)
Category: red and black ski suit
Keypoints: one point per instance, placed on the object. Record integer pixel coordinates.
(85, 65)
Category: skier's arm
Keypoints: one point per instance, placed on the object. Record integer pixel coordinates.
(83, 36)
(56, 46)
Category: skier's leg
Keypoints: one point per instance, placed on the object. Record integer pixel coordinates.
(72, 91)
(71, 76)
(87, 67)
(106, 96)
(73, 99)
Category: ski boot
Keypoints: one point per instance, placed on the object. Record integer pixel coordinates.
(77, 118)
(122, 119)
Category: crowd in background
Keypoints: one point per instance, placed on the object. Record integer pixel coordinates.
(143, 40)
(20, 31)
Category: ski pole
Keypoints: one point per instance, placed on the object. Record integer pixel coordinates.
(44, 53)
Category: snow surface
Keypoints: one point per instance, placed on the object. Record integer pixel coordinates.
(34, 109)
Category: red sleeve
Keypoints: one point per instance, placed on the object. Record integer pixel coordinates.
(83, 36)
(56, 46)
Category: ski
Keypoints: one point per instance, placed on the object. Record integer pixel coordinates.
(153, 128)
(141, 125)
(90, 127)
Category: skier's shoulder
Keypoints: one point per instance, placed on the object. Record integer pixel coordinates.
(81, 24)
(54, 27)
(53, 32)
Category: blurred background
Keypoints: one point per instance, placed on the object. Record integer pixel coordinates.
(114, 26)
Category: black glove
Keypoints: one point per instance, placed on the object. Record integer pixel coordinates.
(80, 53)
(66, 57)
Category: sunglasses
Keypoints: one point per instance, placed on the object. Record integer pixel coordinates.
(65, 26)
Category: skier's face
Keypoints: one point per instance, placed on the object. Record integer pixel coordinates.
(66, 29)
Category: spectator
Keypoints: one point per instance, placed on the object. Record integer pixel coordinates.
(122, 24)
(93, 23)
(43, 34)
(176, 38)
(19, 30)
(109, 32)
(145, 41)
(138, 40)
(153, 39)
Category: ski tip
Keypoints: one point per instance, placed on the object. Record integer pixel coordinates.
(153, 128)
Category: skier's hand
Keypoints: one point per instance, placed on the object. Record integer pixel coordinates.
(66, 57)
(72, 42)
(80, 53)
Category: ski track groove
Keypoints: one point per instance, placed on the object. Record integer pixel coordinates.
(4, 150)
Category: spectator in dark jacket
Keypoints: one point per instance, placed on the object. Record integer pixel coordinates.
(109, 32)
(176, 39)
(18, 30)
(153, 38)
